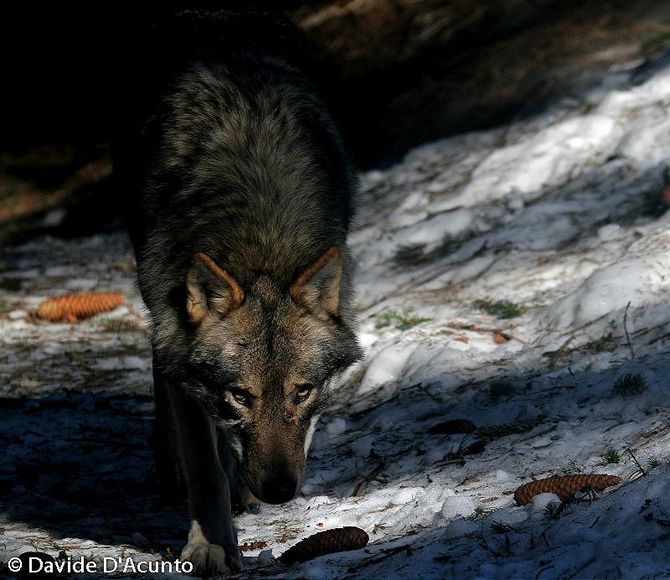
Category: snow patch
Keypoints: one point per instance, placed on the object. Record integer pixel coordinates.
(542, 500)
(637, 280)
(455, 506)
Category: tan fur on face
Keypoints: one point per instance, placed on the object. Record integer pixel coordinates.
(273, 344)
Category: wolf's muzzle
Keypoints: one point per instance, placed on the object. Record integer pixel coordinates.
(279, 489)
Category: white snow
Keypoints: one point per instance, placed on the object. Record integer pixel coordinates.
(637, 280)
(16, 314)
(81, 284)
(336, 426)
(561, 215)
(457, 506)
(542, 500)
(549, 157)
(125, 362)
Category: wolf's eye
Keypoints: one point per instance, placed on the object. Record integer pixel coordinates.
(302, 393)
(241, 397)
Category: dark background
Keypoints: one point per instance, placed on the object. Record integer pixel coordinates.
(396, 73)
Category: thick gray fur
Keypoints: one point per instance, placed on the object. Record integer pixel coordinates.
(230, 153)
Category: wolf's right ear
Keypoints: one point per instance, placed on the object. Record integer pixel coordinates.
(318, 287)
(210, 288)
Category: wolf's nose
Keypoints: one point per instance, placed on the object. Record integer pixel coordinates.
(279, 489)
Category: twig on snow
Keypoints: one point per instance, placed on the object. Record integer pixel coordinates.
(360, 488)
(625, 329)
(642, 469)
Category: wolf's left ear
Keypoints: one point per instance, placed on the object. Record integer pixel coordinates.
(210, 288)
(318, 287)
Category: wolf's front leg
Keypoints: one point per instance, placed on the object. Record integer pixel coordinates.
(212, 541)
(168, 462)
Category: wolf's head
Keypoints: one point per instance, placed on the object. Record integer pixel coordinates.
(261, 359)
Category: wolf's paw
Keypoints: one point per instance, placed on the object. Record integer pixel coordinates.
(254, 506)
(245, 501)
(210, 559)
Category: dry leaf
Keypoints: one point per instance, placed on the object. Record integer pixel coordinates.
(500, 337)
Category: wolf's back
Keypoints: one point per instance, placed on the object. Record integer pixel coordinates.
(234, 155)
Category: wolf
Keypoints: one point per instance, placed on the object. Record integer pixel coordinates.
(243, 194)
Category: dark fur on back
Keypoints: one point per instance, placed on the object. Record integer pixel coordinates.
(237, 158)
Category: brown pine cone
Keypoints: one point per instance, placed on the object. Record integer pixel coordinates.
(452, 427)
(564, 486)
(328, 542)
(74, 307)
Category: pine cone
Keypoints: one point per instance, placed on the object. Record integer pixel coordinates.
(74, 307)
(564, 486)
(452, 427)
(514, 428)
(328, 542)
